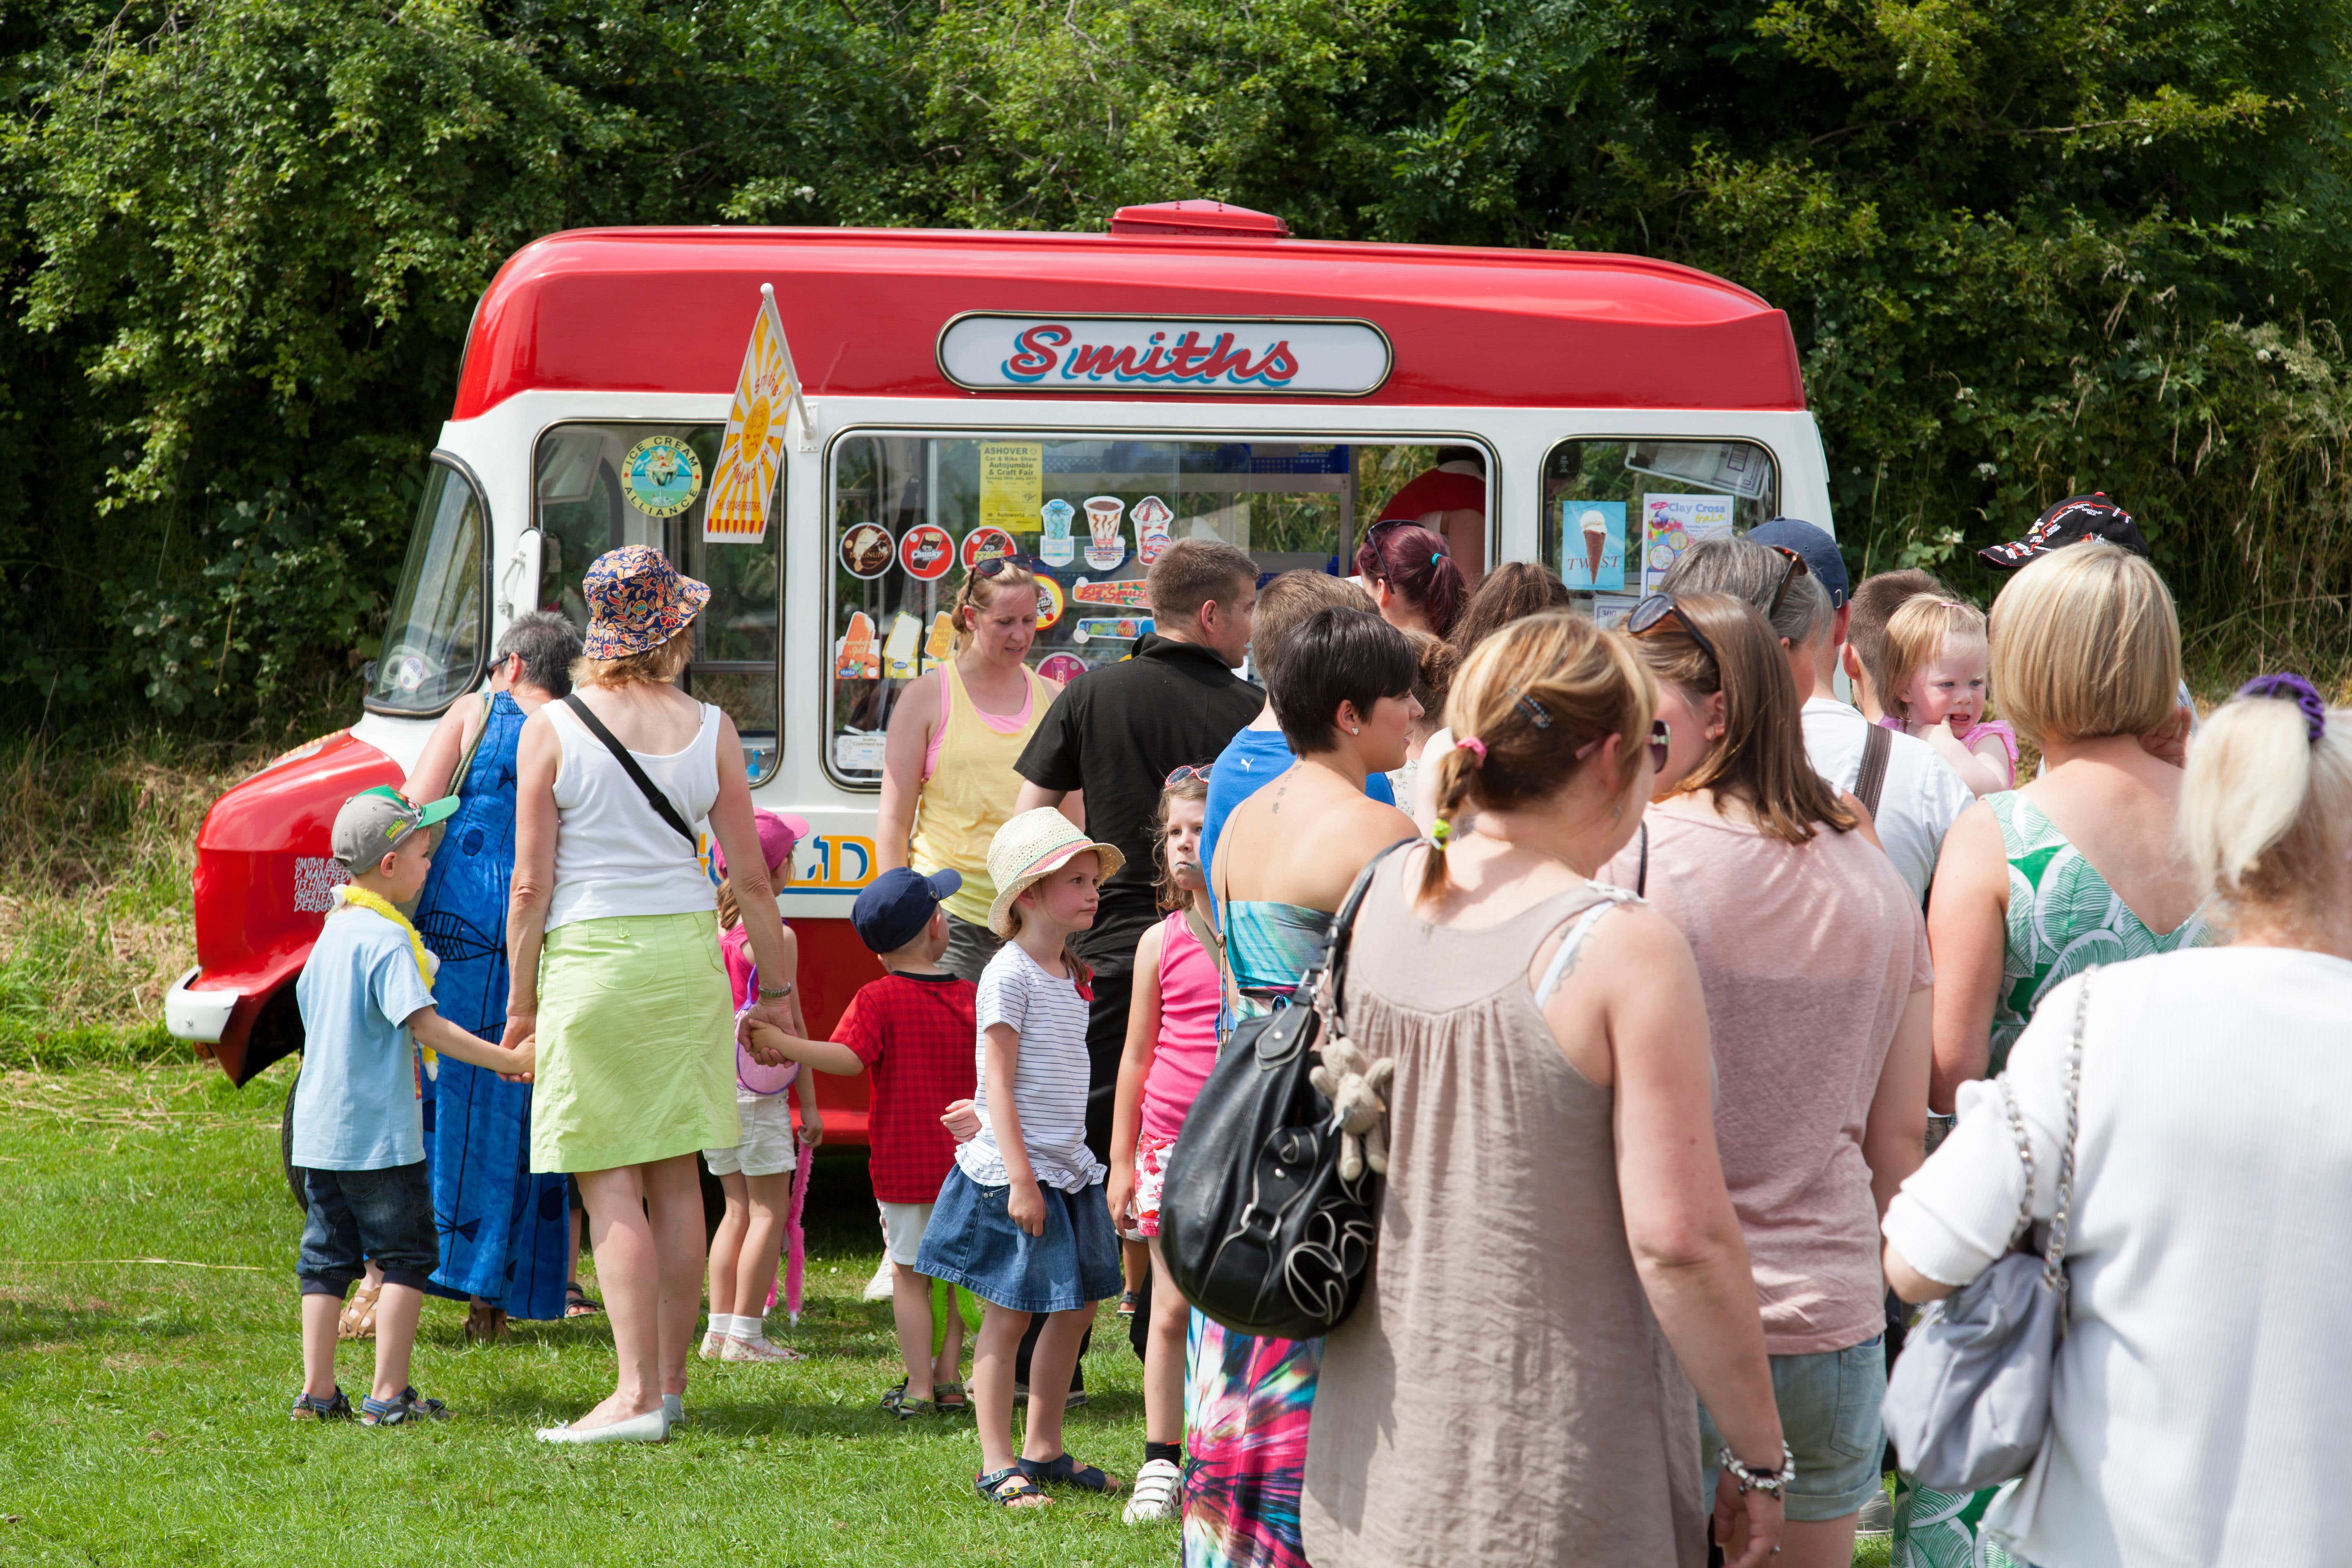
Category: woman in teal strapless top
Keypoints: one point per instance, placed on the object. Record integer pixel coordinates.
(1286, 859)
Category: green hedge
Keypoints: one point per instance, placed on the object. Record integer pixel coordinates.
(2027, 250)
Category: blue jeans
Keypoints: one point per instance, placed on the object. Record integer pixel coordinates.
(1829, 1415)
(351, 1217)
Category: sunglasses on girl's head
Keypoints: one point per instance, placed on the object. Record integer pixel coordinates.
(1795, 569)
(1657, 608)
(1187, 771)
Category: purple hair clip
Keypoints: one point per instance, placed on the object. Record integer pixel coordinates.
(2291, 688)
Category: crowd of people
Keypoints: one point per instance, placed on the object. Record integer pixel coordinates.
(1686, 981)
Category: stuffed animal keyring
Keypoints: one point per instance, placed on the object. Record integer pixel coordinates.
(1358, 1090)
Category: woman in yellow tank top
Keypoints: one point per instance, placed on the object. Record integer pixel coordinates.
(948, 782)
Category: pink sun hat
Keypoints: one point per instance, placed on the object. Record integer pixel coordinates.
(779, 836)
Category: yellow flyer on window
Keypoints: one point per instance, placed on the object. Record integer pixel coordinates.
(752, 454)
(1012, 485)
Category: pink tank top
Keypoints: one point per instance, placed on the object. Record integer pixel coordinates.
(1189, 996)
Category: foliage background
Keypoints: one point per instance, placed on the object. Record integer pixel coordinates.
(2027, 250)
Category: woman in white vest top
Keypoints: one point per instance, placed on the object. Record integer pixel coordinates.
(615, 968)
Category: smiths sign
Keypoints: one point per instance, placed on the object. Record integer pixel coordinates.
(1237, 356)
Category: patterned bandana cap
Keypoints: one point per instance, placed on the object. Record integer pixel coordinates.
(2289, 687)
(2071, 521)
(637, 602)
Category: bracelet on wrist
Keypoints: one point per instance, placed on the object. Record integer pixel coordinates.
(776, 993)
(1752, 1481)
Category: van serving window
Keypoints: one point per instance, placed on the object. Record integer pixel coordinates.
(602, 485)
(910, 514)
(1618, 509)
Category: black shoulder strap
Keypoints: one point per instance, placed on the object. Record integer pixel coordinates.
(1876, 747)
(654, 797)
(1641, 873)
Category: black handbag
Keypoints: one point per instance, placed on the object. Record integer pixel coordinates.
(1259, 1229)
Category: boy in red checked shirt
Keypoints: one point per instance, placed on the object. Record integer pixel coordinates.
(912, 1030)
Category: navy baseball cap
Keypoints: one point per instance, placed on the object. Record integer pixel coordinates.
(1822, 558)
(897, 905)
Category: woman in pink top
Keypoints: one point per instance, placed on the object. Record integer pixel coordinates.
(1171, 1044)
(1813, 960)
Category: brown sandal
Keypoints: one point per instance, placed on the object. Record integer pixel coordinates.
(486, 1325)
(358, 1319)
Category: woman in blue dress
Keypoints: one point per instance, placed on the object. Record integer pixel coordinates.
(506, 1234)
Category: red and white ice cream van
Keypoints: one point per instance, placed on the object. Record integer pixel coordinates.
(1193, 371)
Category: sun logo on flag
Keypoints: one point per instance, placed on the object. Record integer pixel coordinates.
(752, 453)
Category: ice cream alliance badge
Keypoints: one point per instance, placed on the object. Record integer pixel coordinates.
(662, 475)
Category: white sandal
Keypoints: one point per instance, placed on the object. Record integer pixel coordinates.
(653, 1426)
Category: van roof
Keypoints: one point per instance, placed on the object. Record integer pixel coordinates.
(669, 309)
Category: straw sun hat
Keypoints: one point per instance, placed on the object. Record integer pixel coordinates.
(1034, 845)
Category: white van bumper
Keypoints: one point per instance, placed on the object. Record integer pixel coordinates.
(200, 1015)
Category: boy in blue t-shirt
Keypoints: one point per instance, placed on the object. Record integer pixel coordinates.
(366, 996)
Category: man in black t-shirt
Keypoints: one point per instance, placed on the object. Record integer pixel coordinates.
(1116, 732)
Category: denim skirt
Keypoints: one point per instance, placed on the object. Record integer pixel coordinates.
(973, 1242)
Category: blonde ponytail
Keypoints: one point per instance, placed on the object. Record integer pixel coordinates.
(2266, 809)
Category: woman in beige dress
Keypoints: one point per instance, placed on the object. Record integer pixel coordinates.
(1557, 1263)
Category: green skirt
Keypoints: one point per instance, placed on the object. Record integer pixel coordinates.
(636, 1043)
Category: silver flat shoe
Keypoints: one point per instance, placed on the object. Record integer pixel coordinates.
(653, 1426)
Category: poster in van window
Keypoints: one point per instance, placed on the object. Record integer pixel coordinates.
(927, 550)
(662, 475)
(1012, 483)
(867, 549)
(1053, 545)
(1592, 545)
(1672, 524)
(1151, 517)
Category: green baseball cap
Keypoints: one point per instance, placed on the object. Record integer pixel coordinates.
(374, 822)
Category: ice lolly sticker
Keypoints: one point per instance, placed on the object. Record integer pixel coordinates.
(984, 542)
(867, 550)
(1053, 544)
(1125, 630)
(927, 550)
(1128, 593)
(899, 650)
(1105, 543)
(1151, 517)
(1592, 545)
(1062, 667)
(1051, 601)
(855, 657)
(939, 646)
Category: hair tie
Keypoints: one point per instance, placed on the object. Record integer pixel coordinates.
(1440, 831)
(1435, 557)
(1475, 746)
(2288, 687)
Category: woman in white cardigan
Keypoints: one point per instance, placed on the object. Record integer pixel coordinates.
(2202, 1382)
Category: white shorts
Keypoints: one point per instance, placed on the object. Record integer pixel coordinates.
(902, 1229)
(766, 1148)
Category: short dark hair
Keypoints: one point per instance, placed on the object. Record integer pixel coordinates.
(1339, 656)
(547, 643)
(1875, 601)
(1192, 572)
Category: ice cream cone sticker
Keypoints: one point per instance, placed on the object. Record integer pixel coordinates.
(1596, 539)
(752, 453)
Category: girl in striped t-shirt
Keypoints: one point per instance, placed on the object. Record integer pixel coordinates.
(1021, 1222)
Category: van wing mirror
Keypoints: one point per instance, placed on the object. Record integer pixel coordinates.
(518, 582)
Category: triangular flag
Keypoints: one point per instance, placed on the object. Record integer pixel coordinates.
(752, 452)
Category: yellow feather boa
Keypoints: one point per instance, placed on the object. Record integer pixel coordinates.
(351, 895)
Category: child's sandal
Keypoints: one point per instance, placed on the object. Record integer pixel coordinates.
(357, 1321)
(951, 1399)
(1009, 1488)
(1063, 1471)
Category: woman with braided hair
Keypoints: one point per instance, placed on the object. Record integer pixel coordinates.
(1545, 1190)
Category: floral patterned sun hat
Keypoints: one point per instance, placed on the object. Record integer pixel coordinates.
(637, 601)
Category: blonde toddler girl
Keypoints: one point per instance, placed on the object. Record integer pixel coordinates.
(1935, 669)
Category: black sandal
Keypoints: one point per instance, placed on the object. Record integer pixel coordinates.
(578, 1303)
(1010, 1487)
(1063, 1471)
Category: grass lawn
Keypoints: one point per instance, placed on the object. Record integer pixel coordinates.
(142, 1403)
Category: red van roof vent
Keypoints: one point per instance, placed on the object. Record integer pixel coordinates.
(1198, 218)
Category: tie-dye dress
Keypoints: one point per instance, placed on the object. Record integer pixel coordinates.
(1248, 1400)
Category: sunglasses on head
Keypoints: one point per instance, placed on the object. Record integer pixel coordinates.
(1657, 608)
(1795, 569)
(1187, 771)
(993, 565)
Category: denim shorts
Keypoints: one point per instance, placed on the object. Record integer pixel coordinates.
(1829, 1415)
(972, 1241)
(353, 1215)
